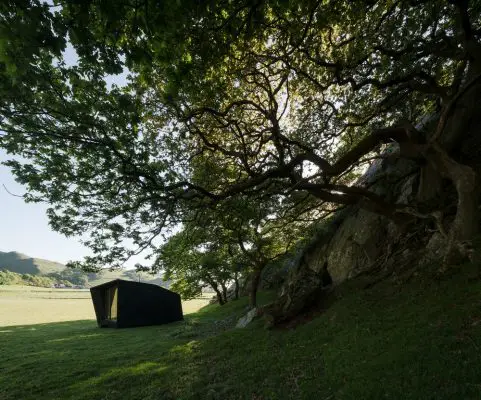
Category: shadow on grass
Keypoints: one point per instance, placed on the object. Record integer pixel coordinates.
(411, 342)
(78, 360)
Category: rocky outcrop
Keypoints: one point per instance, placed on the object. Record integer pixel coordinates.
(356, 245)
(434, 249)
(349, 244)
(362, 237)
(442, 190)
(357, 241)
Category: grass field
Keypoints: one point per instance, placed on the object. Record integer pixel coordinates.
(26, 305)
(413, 341)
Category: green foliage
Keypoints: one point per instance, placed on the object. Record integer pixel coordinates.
(41, 281)
(75, 277)
(225, 245)
(191, 267)
(260, 100)
(12, 278)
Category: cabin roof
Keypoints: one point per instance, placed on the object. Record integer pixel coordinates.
(113, 282)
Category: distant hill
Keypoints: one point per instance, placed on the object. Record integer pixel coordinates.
(23, 264)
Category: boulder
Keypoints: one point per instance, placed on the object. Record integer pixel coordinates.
(356, 245)
(246, 319)
(435, 248)
(408, 190)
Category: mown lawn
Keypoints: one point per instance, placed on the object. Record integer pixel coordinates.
(413, 341)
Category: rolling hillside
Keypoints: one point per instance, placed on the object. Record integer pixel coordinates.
(23, 264)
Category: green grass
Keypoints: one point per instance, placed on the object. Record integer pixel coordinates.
(416, 341)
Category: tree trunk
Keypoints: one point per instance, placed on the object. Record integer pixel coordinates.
(236, 286)
(255, 281)
(224, 291)
(220, 299)
(466, 221)
(429, 185)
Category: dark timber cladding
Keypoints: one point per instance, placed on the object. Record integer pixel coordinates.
(122, 304)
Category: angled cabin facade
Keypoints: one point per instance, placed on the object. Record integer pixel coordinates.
(123, 304)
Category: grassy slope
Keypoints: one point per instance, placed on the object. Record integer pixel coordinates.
(417, 341)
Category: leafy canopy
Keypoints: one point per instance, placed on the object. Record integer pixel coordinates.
(258, 99)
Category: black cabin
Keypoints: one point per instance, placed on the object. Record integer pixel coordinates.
(122, 304)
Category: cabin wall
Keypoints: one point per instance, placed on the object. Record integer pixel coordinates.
(99, 306)
(140, 305)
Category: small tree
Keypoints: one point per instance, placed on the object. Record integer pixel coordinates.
(241, 238)
(192, 262)
(262, 243)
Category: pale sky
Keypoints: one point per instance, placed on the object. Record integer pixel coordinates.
(24, 226)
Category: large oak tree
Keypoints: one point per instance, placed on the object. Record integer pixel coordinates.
(259, 98)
